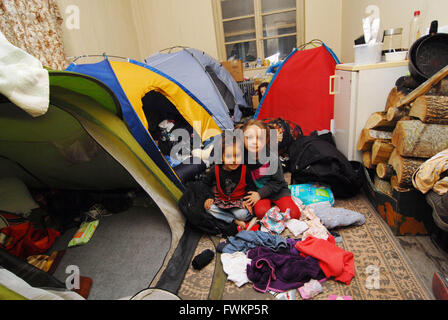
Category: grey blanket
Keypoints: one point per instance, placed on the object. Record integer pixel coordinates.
(337, 217)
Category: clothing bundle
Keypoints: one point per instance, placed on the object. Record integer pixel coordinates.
(275, 221)
(275, 264)
(246, 240)
(282, 270)
(431, 175)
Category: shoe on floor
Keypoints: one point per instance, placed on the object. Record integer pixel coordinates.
(440, 286)
(439, 204)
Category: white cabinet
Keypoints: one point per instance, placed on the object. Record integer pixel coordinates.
(360, 90)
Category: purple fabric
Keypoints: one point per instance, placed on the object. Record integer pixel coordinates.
(281, 271)
(291, 246)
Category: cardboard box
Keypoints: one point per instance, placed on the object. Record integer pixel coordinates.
(235, 68)
(255, 102)
(406, 213)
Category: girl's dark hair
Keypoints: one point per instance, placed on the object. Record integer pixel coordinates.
(263, 85)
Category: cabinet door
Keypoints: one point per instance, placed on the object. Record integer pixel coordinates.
(343, 112)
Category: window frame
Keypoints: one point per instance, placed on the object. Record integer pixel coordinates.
(258, 17)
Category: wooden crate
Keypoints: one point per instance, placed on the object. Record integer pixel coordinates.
(406, 213)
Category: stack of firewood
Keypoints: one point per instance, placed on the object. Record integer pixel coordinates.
(412, 128)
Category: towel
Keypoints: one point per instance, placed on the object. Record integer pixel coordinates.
(23, 80)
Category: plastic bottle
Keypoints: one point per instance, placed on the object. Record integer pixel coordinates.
(415, 31)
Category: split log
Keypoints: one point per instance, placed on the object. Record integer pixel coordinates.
(394, 185)
(368, 137)
(381, 151)
(394, 181)
(378, 120)
(394, 97)
(384, 170)
(367, 159)
(395, 114)
(431, 109)
(382, 185)
(440, 89)
(416, 139)
(405, 168)
(424, 87)
(396, 94)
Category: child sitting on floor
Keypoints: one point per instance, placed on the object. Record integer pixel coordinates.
(229, 182)
(267, 174)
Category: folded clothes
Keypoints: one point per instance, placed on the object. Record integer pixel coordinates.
(246, 240)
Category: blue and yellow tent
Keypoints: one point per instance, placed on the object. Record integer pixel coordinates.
(130, 81)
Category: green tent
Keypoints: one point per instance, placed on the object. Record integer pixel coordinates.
(82, 143)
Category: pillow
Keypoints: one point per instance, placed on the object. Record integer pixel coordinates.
(15, 197)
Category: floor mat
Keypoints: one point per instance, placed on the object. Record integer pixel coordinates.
(374, 247)
(123, 256)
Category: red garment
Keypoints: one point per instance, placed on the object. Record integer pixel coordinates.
(240, 189)
(334, 261)
(264, 205)
(27, 241)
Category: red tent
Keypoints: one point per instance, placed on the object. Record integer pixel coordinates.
(300, 90)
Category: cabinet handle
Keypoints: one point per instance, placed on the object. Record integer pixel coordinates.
(333, 86)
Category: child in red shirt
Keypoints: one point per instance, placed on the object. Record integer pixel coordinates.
(229, 183)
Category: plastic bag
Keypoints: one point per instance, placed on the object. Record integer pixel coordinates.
(310, 193)
(84, 233)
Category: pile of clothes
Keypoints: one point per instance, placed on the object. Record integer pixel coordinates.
(286, 265)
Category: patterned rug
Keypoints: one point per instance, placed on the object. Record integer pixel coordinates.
(377, 253)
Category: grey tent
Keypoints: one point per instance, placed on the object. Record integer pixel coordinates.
(201, 74)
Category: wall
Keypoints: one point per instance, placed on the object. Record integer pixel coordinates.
(162, 24)
(105, 26)
(323, 21)
(396, 13)
(139, 28)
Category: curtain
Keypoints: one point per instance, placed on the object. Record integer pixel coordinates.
(35, 26)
